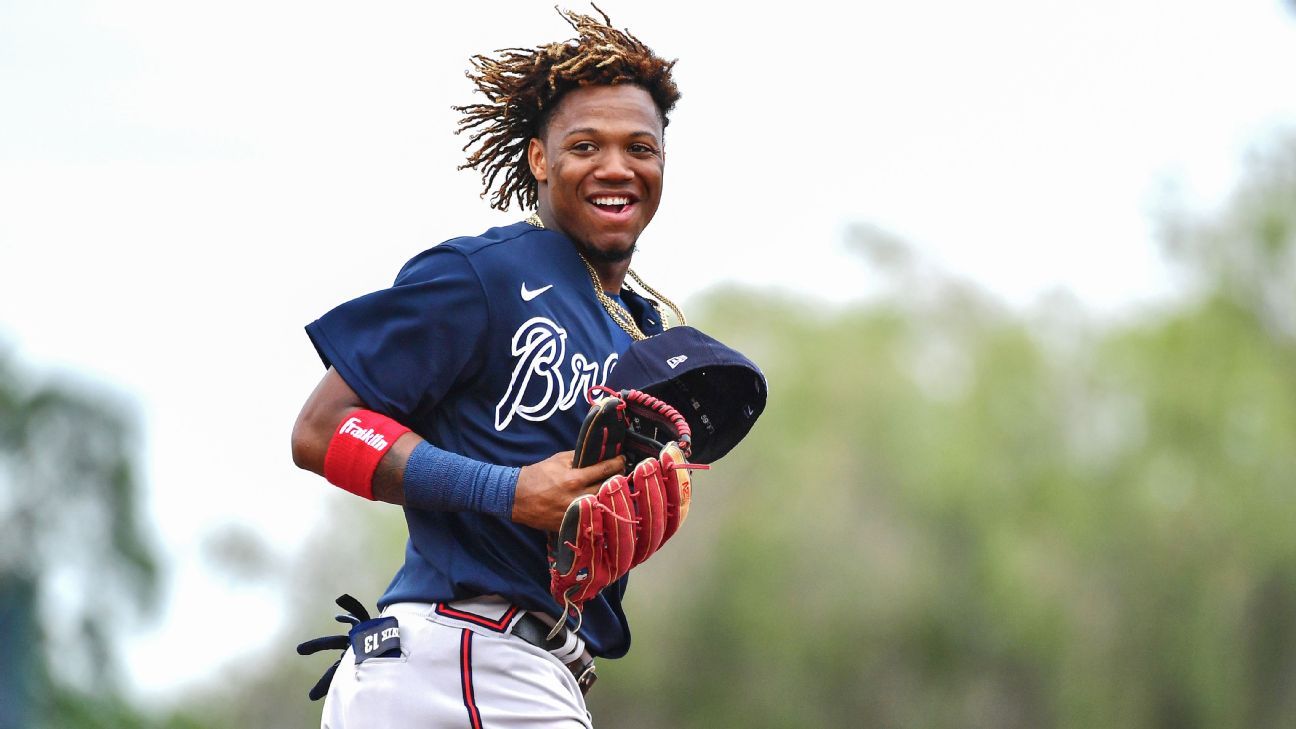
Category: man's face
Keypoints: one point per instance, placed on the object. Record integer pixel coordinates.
(599, 168)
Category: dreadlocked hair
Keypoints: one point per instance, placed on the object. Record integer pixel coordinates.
(524, 85)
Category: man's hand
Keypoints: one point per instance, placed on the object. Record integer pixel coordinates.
(547, 488)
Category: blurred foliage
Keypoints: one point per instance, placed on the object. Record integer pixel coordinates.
(1246, 253)
(75, 562)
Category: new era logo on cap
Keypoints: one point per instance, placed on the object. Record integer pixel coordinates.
(717, 389)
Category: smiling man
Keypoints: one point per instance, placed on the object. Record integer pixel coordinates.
(458, 391)
(599, 167)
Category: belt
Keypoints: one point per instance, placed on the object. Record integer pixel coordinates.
(531, 628)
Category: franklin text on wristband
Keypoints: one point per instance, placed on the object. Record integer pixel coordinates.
(358, 444)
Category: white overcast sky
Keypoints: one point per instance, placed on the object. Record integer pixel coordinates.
(184, 185)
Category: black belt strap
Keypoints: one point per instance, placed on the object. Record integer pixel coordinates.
(534, 631)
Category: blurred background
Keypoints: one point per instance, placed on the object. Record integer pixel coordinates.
(1022, 277)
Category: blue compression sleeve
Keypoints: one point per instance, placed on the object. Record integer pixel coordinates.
(439, 480)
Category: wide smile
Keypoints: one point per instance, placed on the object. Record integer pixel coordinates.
(614, 207)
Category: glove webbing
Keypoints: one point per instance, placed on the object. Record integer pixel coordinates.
(666, 415)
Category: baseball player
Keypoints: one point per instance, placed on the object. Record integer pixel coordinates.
(457, 392)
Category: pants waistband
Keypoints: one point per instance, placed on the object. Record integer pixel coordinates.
(534, 630)
(498, 615)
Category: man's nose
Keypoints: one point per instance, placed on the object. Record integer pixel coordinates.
(614, 166)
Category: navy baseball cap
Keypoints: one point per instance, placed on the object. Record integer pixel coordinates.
(718, 390)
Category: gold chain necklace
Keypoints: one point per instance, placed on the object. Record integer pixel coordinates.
(618, 312)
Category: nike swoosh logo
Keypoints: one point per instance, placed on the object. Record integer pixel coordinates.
(528, 294)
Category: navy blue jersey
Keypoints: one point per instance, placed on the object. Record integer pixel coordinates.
(486, 347)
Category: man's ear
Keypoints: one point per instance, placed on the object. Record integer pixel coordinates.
(536, 159)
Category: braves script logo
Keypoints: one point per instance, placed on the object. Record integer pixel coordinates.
(540, 347)
(364, 435)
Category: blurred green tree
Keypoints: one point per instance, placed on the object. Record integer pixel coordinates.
(1247, 252)
(75, 562)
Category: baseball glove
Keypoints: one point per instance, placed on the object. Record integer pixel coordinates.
(629, 422)
(605, 534)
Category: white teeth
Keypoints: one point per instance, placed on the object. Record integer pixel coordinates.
(611, 201)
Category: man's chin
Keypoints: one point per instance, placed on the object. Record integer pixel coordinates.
(612, 254)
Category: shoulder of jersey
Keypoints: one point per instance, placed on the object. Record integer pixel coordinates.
(494, 243)
(493, 239)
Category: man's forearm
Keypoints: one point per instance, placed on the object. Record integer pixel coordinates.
(388, 479)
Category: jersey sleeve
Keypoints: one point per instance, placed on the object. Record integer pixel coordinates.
(402, 348)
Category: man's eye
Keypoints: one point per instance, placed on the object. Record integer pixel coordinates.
(641, 149)
(583, 147)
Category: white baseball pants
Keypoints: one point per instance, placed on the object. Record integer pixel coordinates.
(459, 667)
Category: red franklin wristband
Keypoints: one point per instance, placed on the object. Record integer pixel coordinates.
(359, 443)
